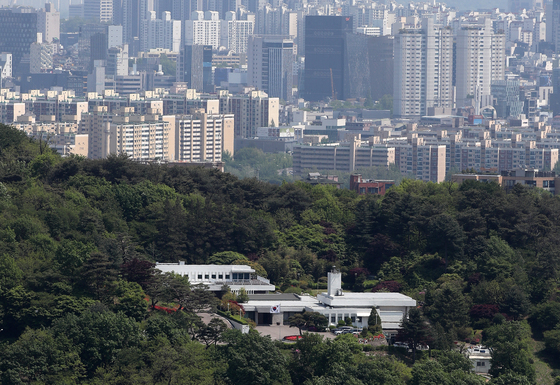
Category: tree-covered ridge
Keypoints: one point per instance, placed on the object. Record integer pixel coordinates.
(78, 238)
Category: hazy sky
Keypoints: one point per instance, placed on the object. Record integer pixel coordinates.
(63, 4)
(459, 4)
(471, 4)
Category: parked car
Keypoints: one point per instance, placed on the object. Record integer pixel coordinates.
(400, 345)
(292, 338)
(342, 329)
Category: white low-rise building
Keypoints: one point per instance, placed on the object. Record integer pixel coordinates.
(481, 358)
(216, 276)
(335, 304)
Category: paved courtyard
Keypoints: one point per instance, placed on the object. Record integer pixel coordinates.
(279, 332)
(275, 332)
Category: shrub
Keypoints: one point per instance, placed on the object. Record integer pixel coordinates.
(390, 286)
(293, 289)
(368, 284)
(484, 311)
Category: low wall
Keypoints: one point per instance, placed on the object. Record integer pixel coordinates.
(236, 325)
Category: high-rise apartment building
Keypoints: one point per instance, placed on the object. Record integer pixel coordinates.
(194, 66)
(203, 137)
(270, 63)
(48, 23)
(480, 62)
(425, 161)
(183, 9)
(5, 65)
(235, 33)
(160, 33)
(325, 44)
(252, 110)
(18, 30)
(423, 73)
(97, 125)
(276, 21)
(40, 57)
(142, 137)
(99, 10)
(347, 156)
(204, 28)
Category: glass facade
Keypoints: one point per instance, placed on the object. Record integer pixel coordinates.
(17, 32)
(325, 39)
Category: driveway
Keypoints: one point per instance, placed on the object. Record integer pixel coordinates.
(207, 317)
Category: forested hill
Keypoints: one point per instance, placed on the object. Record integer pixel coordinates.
(74, 232)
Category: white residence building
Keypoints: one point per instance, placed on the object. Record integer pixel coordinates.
(335, 304)
(216, 276)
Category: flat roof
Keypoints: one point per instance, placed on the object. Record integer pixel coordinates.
(182, 268)
(274, 297)
(348, 299)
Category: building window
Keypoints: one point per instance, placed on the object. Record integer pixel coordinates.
(221, 276)
(213, 276)
(227, 276)
(200, 276)
(206, 276)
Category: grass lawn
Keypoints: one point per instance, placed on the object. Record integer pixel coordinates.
(542, 368)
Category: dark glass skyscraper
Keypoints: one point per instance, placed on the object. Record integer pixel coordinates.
(195, 67)
(98, 48)
(325, 40)
(18, 29)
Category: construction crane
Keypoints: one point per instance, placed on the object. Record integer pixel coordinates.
(332, 87)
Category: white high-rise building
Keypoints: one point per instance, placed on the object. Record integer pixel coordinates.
(204, 28)
(5, 65)
(480, 61)
(202, 137)
(235, 33)
(160, 33)
(276, 21)
(423, 73)
(97, 125)
(114, 36)
(142, 137)
(40, 56)
(48, 23)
